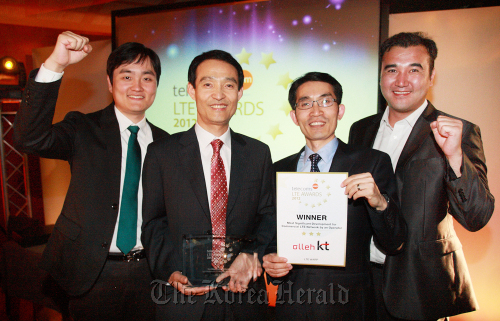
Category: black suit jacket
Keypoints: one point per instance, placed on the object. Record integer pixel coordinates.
(91, 143)
(176, 202)
(430, 278)
(362, 222)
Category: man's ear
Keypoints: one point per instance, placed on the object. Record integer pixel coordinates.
(433, 73)
(191, 91)
(294, 117)
(240, 93)
(341, 112)
(110, 85)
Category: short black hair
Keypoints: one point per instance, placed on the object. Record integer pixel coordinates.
(314, 76)
(216, 55)
(411, 39)
(132, 52)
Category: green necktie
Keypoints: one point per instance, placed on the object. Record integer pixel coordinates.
(127, 226)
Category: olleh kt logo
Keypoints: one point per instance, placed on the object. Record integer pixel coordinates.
(310, 247)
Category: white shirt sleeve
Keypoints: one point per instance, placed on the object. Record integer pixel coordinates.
(45, 75)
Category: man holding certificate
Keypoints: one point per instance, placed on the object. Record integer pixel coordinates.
(336, 220)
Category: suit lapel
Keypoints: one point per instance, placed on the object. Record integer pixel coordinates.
(419, 133)
(157, 132)
(193, 168)
(371, 131)
(341, 162)
(112, 139)
(291, 165)
(239, 158)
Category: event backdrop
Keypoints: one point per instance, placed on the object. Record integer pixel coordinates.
(275, 42)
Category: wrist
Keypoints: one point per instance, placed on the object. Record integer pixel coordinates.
(384, 203)
(53, 66)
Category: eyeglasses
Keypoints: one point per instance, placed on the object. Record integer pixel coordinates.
(308, 104)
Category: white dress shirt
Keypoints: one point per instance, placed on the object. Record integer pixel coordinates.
(206, 151)
(392, 141)
(144, 137)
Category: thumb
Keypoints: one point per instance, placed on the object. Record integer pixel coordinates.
(222, 276)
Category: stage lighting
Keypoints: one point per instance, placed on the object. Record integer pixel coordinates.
(12, 78)
(9, 65)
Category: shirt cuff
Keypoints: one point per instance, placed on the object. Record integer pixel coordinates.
(45, 75)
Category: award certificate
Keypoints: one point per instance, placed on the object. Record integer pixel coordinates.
(312, 218)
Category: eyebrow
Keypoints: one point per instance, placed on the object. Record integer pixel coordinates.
(309, 97)
(213, 78)
(415, 64)
(128, 71)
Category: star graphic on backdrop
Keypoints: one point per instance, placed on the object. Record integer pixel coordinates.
(318, 234)
(324, 201)
(275, 131)
(306, 204)
(316, 180)
(267, 59)
(319, 204)
(328, 194)
(313, 206)
(303, 233)
(322, 181)
(327, 186)
(311, 233)
(243, 57)
(286, 108)
(284, 80)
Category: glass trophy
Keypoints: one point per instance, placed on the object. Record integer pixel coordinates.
(197, 257)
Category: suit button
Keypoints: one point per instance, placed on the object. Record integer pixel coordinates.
(114, 206)
(104, 245)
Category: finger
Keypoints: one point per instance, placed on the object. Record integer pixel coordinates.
(222, 276)
(196, 290)
(232, 285)
(87, 48)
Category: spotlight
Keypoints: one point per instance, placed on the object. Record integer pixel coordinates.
(9, 65)
(12, 78)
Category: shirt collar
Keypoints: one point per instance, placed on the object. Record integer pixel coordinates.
(205, 137)
(124, 122)
(410, 119)
(326, 152)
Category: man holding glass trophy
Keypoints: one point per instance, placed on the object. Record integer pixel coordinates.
(208, 206)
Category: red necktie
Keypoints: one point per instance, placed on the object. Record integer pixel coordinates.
(218, 204)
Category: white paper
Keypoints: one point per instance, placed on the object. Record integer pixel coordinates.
(312, 218)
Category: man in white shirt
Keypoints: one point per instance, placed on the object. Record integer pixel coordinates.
(209, 180)
(95, 252)
(441, 174)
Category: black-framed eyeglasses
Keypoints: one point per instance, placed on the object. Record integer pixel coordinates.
(322, 102)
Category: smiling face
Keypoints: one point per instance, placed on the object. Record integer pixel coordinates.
(134, 89)
(318, 124)
(216, 95)
(405, 79)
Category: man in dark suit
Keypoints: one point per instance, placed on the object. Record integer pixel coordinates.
(201, 181)
(441, 173)
(372, 210)
(95, 252)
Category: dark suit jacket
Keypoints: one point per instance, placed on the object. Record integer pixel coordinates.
(430, 279)
(91, 143)
(362, 222)
(176, 202)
